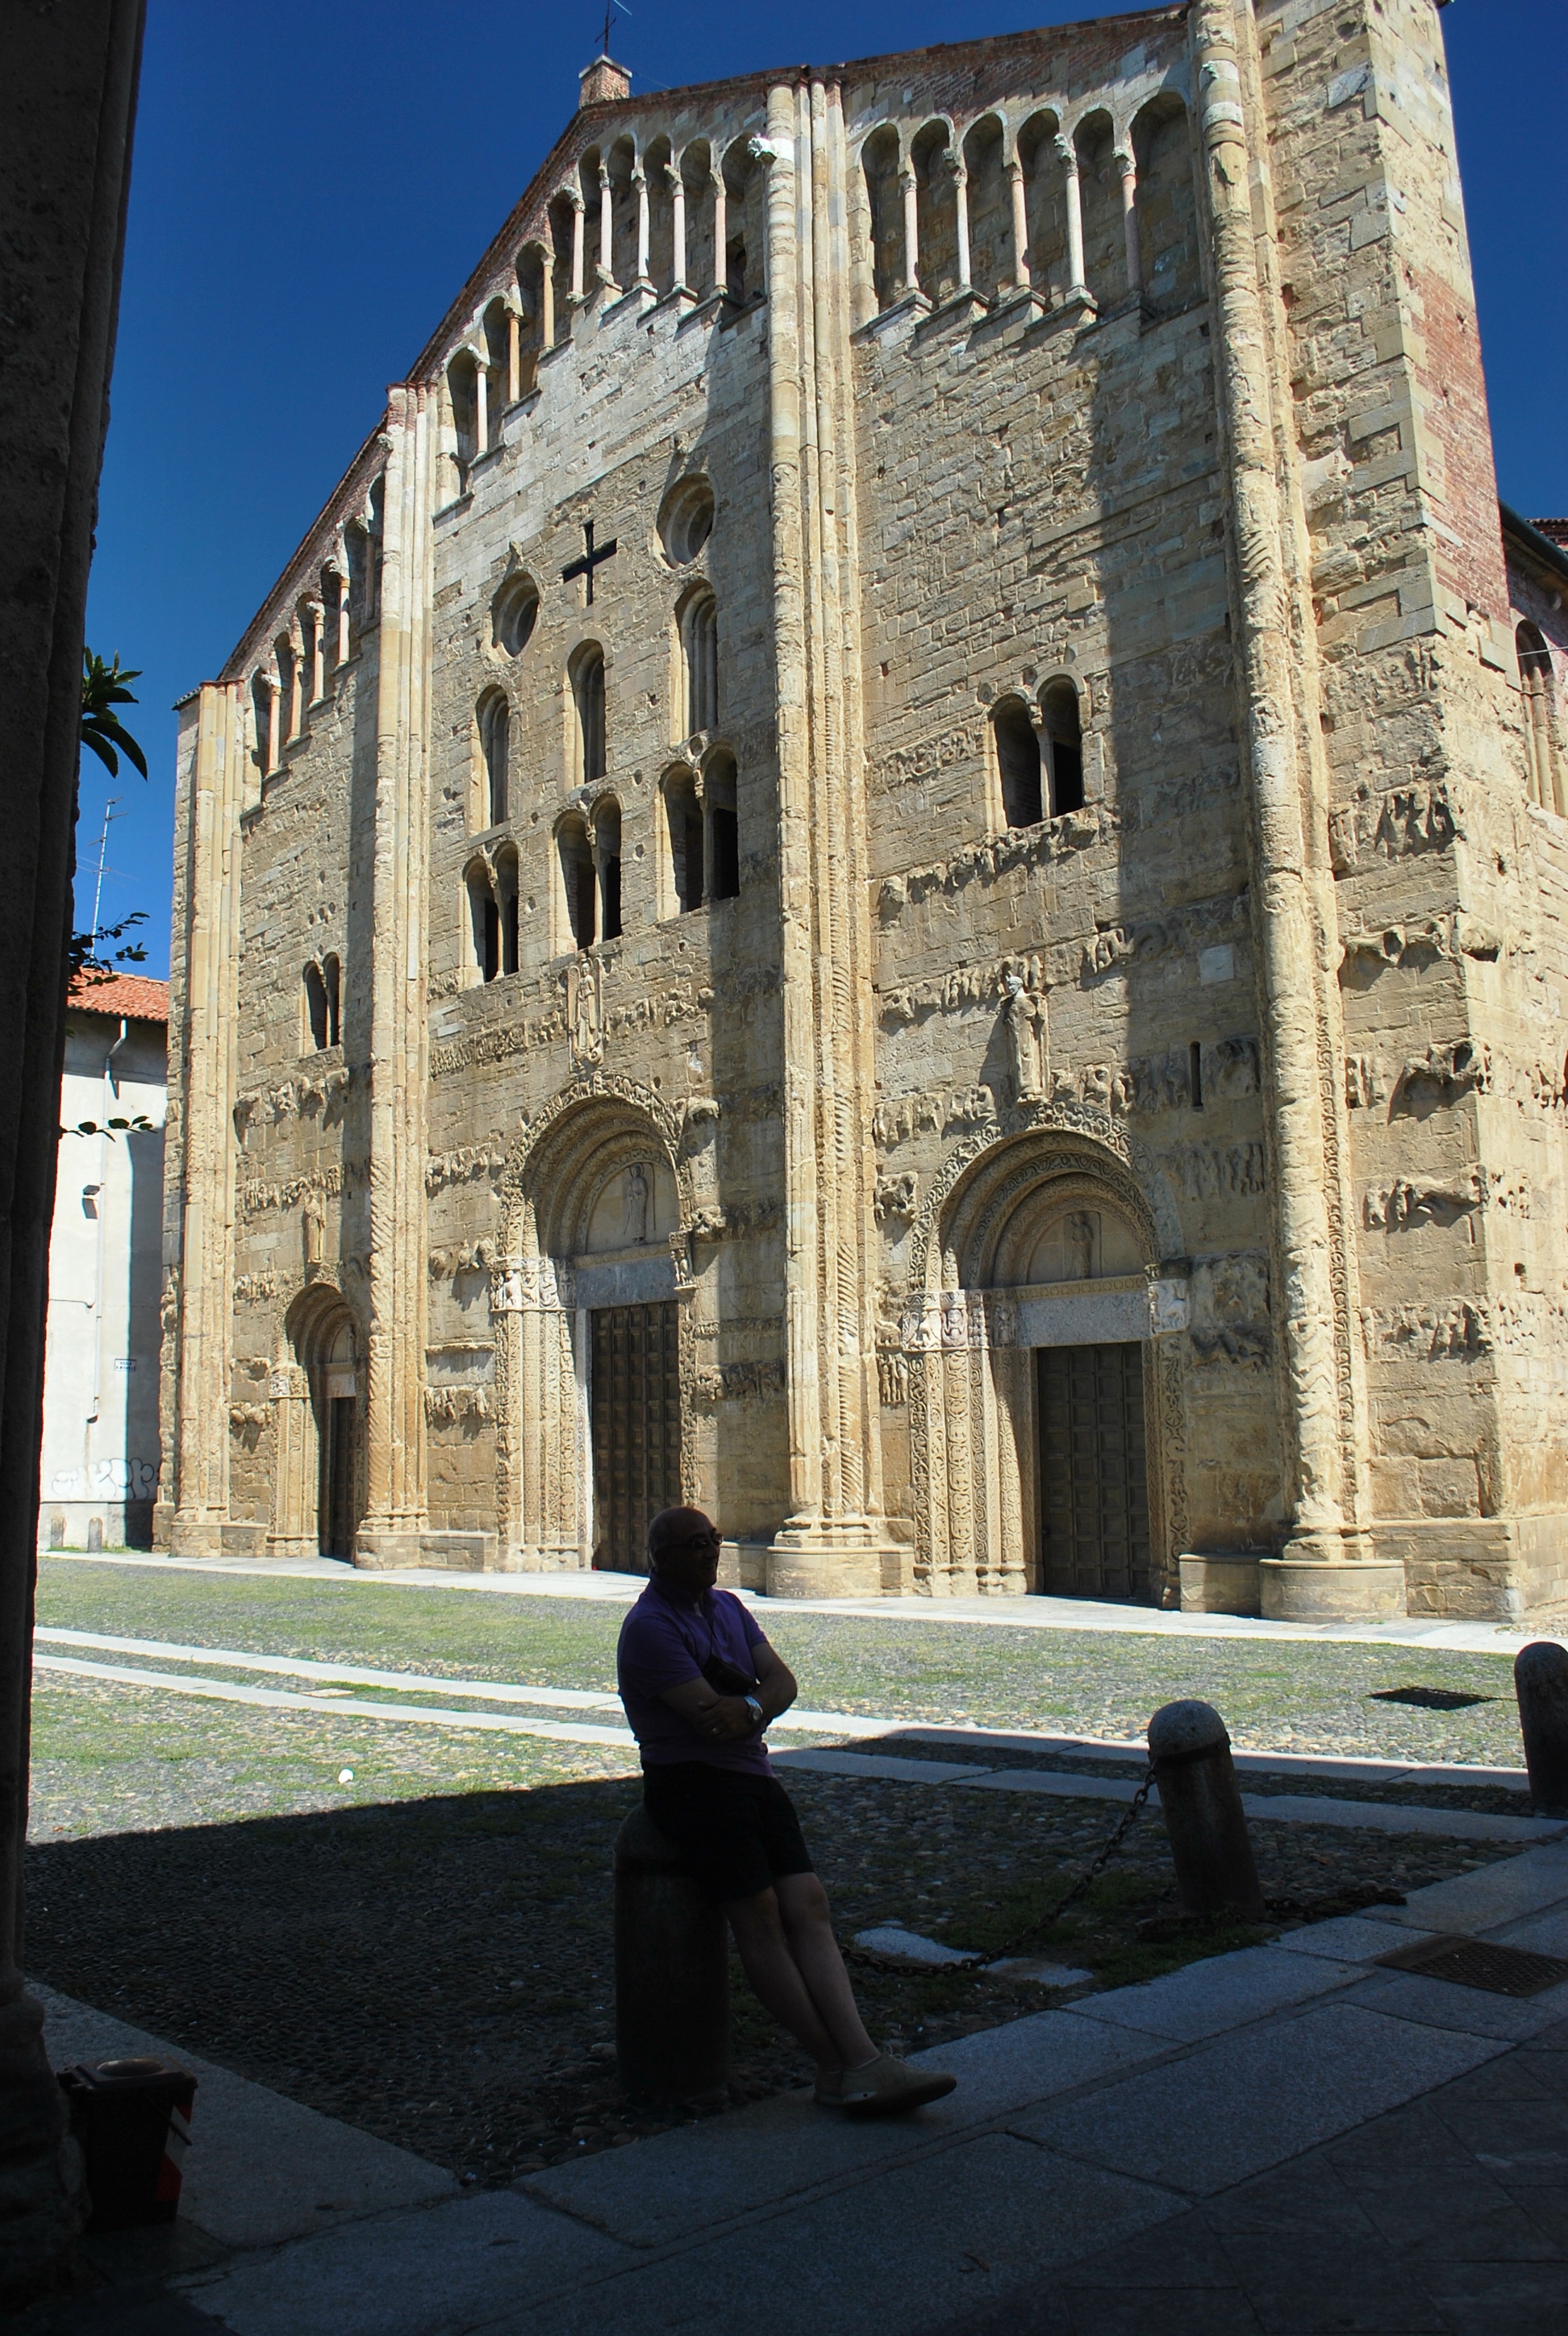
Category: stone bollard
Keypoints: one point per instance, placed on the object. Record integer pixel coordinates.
(1202, 1804)
(1541, 1684)
(671, 1972)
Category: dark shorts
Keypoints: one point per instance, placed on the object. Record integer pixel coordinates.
(738, 1833)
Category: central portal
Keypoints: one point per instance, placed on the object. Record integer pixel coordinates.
(1093, 1473)
(634, 1405)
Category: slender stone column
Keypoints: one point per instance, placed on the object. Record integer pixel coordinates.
(317, 612)
(341, 573)
(676, 185)
(908, 187)
(200, 1171)
(547, 298)
(720, 236)
(639, 182)
(1067, 155)
(835, 1533)
(399, 1043)
(606, 227)
(1021, 279)
(579, 207)
(1294, 919)
(274, 718)
(1129, 170)
(480, 406)
(956, 171)
(513, 356)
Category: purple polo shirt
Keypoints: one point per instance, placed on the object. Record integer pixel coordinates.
(665, 1641)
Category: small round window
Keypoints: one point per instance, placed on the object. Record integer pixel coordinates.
(686, 520)
(513, 613)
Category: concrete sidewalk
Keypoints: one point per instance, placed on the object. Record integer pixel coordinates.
(1206, 2152)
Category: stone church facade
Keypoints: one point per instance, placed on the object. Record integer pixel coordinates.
(888, 864)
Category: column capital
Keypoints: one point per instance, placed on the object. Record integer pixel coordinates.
(1066, 153)
(574, 196)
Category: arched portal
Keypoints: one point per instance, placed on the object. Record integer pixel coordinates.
(590, 1334)
(318, 1391)
(1037, 1406)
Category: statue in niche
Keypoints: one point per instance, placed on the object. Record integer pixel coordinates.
(1023, 1016)
(585, 1003)
(1078, 1241)
(634, 1222)
(311, 1230)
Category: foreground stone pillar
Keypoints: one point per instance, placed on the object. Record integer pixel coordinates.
(67, 104)
(200, 1155)
(671, 1972)
(396, 1512)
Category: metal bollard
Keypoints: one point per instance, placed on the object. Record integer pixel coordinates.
(1541, 1684)
(1202, 1804)
(671, 1972)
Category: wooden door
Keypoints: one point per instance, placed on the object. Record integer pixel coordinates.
(634, 1405)
(1094, 1471)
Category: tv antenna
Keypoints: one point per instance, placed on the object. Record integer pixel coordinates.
(109, 813)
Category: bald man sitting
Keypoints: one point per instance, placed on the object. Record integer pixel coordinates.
(700, 1684)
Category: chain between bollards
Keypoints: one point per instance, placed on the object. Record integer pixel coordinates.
(1091, 1874)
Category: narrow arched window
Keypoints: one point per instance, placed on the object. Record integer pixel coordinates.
(682, 813)
(506, 888)
(261, 714)
(494, 746)
(607, 858)
(577, 882)
(315, 1008)
(332, 983)
(699, 636)
(587, 694)
(723, 855)
(1540, 712)
(1065, 747)
(1018, 763)
(484, 915)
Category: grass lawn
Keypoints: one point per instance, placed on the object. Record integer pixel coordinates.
(1275, 1696)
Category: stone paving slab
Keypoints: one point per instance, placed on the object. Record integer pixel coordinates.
(664, 2189)
(1204, 1999)
(1252, 2100)
(1470, 2011)
(917, 2244)
(262, 2168)
(1272, 1808)
(1350, 1938)
(1544, 1934)
(457, 2266)
(1507, 1891)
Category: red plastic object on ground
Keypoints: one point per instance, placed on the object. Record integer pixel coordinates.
(132, 2120)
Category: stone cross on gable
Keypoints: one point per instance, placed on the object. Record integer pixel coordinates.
(592, 558)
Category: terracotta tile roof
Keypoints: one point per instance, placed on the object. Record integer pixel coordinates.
(131, 995)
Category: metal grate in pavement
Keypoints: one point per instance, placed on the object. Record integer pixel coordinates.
(1480, 1963)
(1429, 1699)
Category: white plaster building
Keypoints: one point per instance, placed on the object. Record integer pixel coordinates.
(100, 1468)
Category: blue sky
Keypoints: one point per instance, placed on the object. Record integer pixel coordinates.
(312, 183)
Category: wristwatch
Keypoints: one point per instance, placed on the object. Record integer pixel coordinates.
(754, 1707)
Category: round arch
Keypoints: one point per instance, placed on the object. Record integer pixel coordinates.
(319, 1395)
(1033, 1263)
(598, 1216)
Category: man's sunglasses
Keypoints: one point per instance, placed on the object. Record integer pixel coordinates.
(696, 1542)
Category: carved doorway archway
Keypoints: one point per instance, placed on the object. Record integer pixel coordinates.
(591, 1332)
(318, 1393)
(1037, 1406)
